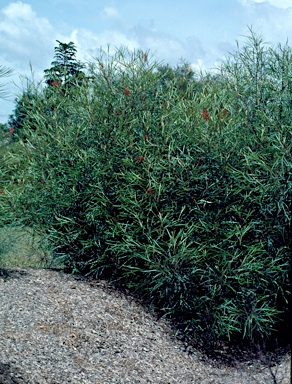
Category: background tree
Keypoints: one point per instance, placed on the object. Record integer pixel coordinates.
(20, 115)
(66, 69)
(65, 72)
(182, 77)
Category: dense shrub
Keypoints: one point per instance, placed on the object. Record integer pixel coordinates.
(184, 200)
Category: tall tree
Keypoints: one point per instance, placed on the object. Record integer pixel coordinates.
(65, 69)
(65, 73)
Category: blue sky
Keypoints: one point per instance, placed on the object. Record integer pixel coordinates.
(202, 32)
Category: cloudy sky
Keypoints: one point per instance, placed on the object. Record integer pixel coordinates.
(202, 32)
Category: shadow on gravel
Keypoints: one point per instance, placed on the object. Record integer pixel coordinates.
(234, 355)
(261, 352)
(10, 375)
(8, 273)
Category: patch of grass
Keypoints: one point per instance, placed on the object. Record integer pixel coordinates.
(5, 143)
(19, 247)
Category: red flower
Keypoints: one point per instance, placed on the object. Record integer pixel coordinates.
(11, 130)
(126, 91)
(139, 159)
(54, 83)
(205, 114)
(147, 136)
(224, 112)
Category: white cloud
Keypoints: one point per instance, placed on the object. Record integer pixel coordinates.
(166, 47)
(274, 3)
(24, 36)
(277, 3)
(271, 21)
(111, 13)
(88, 43)
(25, 39)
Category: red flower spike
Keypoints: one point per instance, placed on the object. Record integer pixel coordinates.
(150, 191)
(205, 114)
(55, 83)
(224, 112)
(126, 91)
(139, 159)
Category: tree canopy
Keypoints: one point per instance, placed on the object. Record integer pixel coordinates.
(65, 66)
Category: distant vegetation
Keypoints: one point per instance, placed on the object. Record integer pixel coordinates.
(173, 184)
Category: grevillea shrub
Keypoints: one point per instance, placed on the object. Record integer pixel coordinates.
(182, 199)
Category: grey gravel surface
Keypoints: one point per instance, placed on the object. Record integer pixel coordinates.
(56, 329)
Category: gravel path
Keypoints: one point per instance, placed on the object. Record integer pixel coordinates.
(56, 329)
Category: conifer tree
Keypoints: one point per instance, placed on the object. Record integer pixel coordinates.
(65, 69)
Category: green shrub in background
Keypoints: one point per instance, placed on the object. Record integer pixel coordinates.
(181, 197)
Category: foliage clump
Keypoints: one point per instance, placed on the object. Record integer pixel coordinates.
(182, 197)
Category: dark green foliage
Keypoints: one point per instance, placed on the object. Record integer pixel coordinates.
(180, 79)
(66, 69)
(184, 200)
(21, 114)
